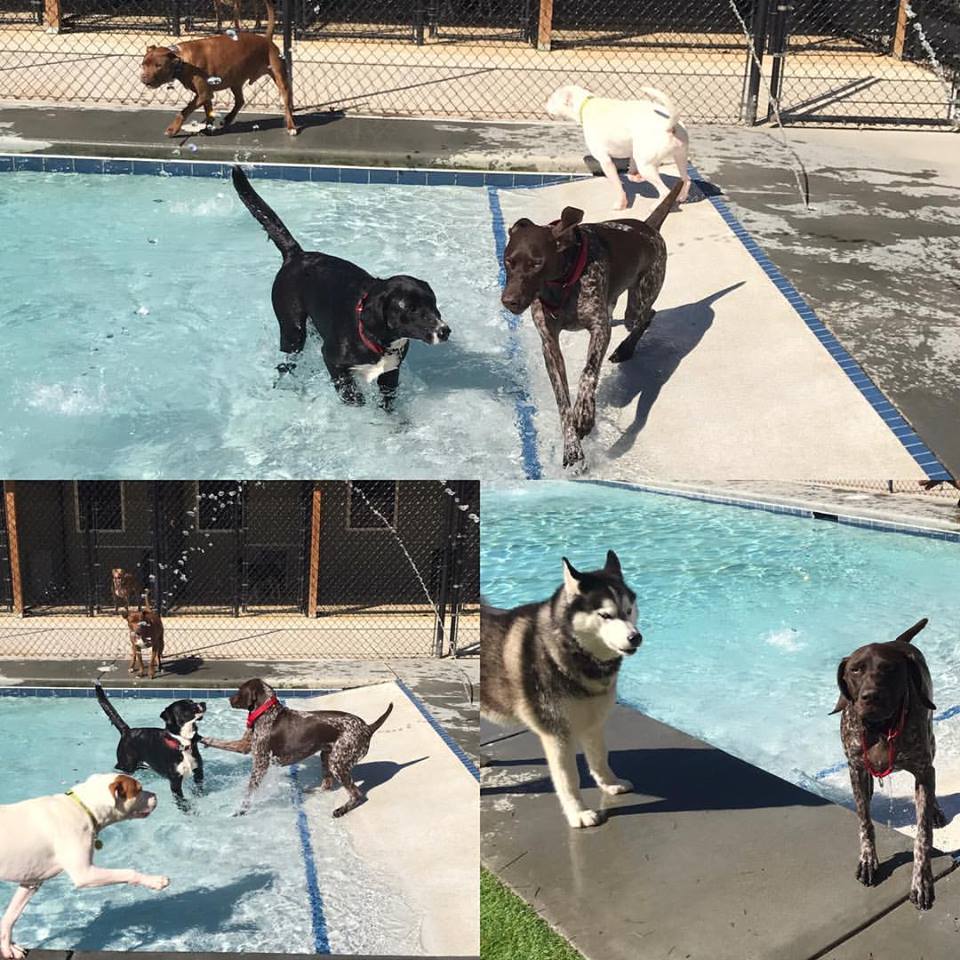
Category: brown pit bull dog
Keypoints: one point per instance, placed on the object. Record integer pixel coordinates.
(125, 586)
(887, 725)
(146, 630)
(277, 733)
(220, 62)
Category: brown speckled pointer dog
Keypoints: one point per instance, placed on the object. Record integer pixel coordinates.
(887, 725)
(570, 274)
(220, 62)
(275, 732)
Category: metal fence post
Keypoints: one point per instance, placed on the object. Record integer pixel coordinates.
(239, 576)
(440, 633)
(756, 44)
(158, 558)
(13, 545)
(779, 32)
(288, 13)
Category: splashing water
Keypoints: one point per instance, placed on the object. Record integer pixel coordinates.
(934, 62)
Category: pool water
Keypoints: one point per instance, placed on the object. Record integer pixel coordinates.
(745, 614)
(237, 884)
(136, 312)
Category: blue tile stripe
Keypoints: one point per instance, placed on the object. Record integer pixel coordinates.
(159, 693)
(321, 942)
(315, 173)
(864, 523)
(525, 408)
(881, 404)
(455, 747)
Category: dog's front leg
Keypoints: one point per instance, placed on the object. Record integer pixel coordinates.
(595, 750)
(557, 371)
(388, 383)
(921, 887)
(261, 763)
(585, 412)
(88, 875)
(8, 949)
(562, 761)
(234, 746)
(862, 784)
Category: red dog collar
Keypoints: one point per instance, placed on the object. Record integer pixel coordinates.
(566, 285)
(892, 736)
(368, 342)
(171, 743)
(255, 715)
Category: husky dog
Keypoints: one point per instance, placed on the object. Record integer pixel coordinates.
(553, 666)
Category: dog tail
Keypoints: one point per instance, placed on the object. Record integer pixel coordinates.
(378, 723)
(267, 219)
(271, 19)
(908, 635)
(669, 108)
(109, 710)
(665, 206)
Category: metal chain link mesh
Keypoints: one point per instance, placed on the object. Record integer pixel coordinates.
(847, 61)
(286, 570)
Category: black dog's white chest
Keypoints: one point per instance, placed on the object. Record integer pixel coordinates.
(391, 359)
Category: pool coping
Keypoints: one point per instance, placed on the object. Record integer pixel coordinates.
(789, 509)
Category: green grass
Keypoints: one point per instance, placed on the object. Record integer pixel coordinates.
(510, 929)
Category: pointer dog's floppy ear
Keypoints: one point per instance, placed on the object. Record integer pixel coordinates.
(844, 697)
(522, 222)
(613, 565)
(916, 682)
(563, 229)
(571, 579)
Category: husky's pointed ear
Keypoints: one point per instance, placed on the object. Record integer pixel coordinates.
(844, 697)
(571, 579)
(908, 635)
(916, 682)
(612, 565)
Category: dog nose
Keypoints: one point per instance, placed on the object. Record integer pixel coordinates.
(635, 639)
(443, 332)
(870, 696)
(511, 303)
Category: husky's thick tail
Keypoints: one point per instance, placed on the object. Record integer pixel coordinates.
(271, 19)
(267, 219)
(665, 206)
(109, 710)
(378, 723)
(668, 108)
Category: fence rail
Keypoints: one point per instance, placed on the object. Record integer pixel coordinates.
(881, 62)
(272, 569)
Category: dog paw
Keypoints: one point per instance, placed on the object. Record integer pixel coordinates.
(921, 892)
(572, 454)
(867, 870)
(172, 130)
(585, 818)
(584, 421)
(635, 178)
(154, 883)
(625, 351)
(616, 787)
(622, 203)
(293, 131)
(12, 952)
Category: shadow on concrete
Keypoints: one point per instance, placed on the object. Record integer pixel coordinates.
(902, 811)
(699, 189)
(304, 121)
(200, 910)
(673, 334)
(367, 775)
(183, 666)
(672, 778)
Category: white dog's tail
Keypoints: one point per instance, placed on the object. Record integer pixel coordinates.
(669, 108)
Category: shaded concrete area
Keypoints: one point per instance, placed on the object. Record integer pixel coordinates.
(447, 687)
(710, 857)
(728, 381)
(108, 955)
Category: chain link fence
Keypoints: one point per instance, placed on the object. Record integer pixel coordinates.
(846, 61)
(277, 570)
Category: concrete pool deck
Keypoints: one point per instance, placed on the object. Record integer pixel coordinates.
(709, 858)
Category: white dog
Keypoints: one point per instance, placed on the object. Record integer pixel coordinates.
(46, 836)
(647, 131)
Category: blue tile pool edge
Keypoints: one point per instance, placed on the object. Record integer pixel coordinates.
(321, 941)
(314, 173)
(864, 523)
(925, 458)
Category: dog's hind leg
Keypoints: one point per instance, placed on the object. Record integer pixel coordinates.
(12, 914)
(341, 770)
(291, 316)
(238, 102)
(279, 77)
(640, 313)
(921, 887)
(562, 762)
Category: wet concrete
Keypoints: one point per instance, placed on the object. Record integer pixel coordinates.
(710, 857)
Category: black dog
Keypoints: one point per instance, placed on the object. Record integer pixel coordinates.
(365, 323)
(172, 752)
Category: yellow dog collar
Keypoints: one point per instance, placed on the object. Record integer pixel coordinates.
(97, 842)
(586, 100)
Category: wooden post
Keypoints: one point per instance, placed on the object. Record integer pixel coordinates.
(900, 34)
(51, 16)
(545, 25)
(13, 544)
(316, 515)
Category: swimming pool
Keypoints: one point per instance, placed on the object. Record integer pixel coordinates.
(745, 613)
(283, 878)
(136, 313)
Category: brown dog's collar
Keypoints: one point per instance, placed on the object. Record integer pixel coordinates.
(255, 715)
(893, 735)
(551, 305)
